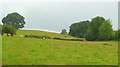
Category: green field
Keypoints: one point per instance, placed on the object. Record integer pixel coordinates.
(0, 50)
(32, 51)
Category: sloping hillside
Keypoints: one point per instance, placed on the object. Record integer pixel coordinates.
(30, 51)
(44, 33)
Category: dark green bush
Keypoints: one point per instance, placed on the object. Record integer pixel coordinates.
(106, 44)
(57, 38)
(69, 39)
(8, 30)
(35, 36)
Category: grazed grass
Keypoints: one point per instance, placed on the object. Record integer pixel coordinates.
(43, 33)
(0, 50)
(30, 51)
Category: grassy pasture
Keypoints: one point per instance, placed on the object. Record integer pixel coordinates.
(43, 33)
(31, 51)
(0, 50)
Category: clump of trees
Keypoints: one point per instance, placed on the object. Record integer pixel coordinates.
(79, 29)
(11, 23)
(64, 31)
(105, 31)
(96, 29)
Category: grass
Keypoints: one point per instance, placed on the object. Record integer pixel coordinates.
(0, 50)
(31, 51)
(43, 33)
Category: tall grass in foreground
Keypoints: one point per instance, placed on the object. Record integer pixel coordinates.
(31, 51)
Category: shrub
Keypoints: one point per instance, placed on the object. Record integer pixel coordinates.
(69, 39)
(0, 29)
(8, 30)
(35, 36)
(106, 44)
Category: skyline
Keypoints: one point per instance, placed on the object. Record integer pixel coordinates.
(55, 16)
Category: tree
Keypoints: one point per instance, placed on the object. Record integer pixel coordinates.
(5, 29)
(0, 28)
(105, 31)
(15, 20)
(8, 30)
(97, 29)
(93, 31)
(115, 35)
(118, 34)
(64, 31)
(12, 30)
(79, 29)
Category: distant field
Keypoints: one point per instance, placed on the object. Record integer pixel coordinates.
(31, 51)
(43, 33)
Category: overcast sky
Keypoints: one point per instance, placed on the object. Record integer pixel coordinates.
(57, 15)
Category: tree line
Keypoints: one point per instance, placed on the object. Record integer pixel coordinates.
(97, 29)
